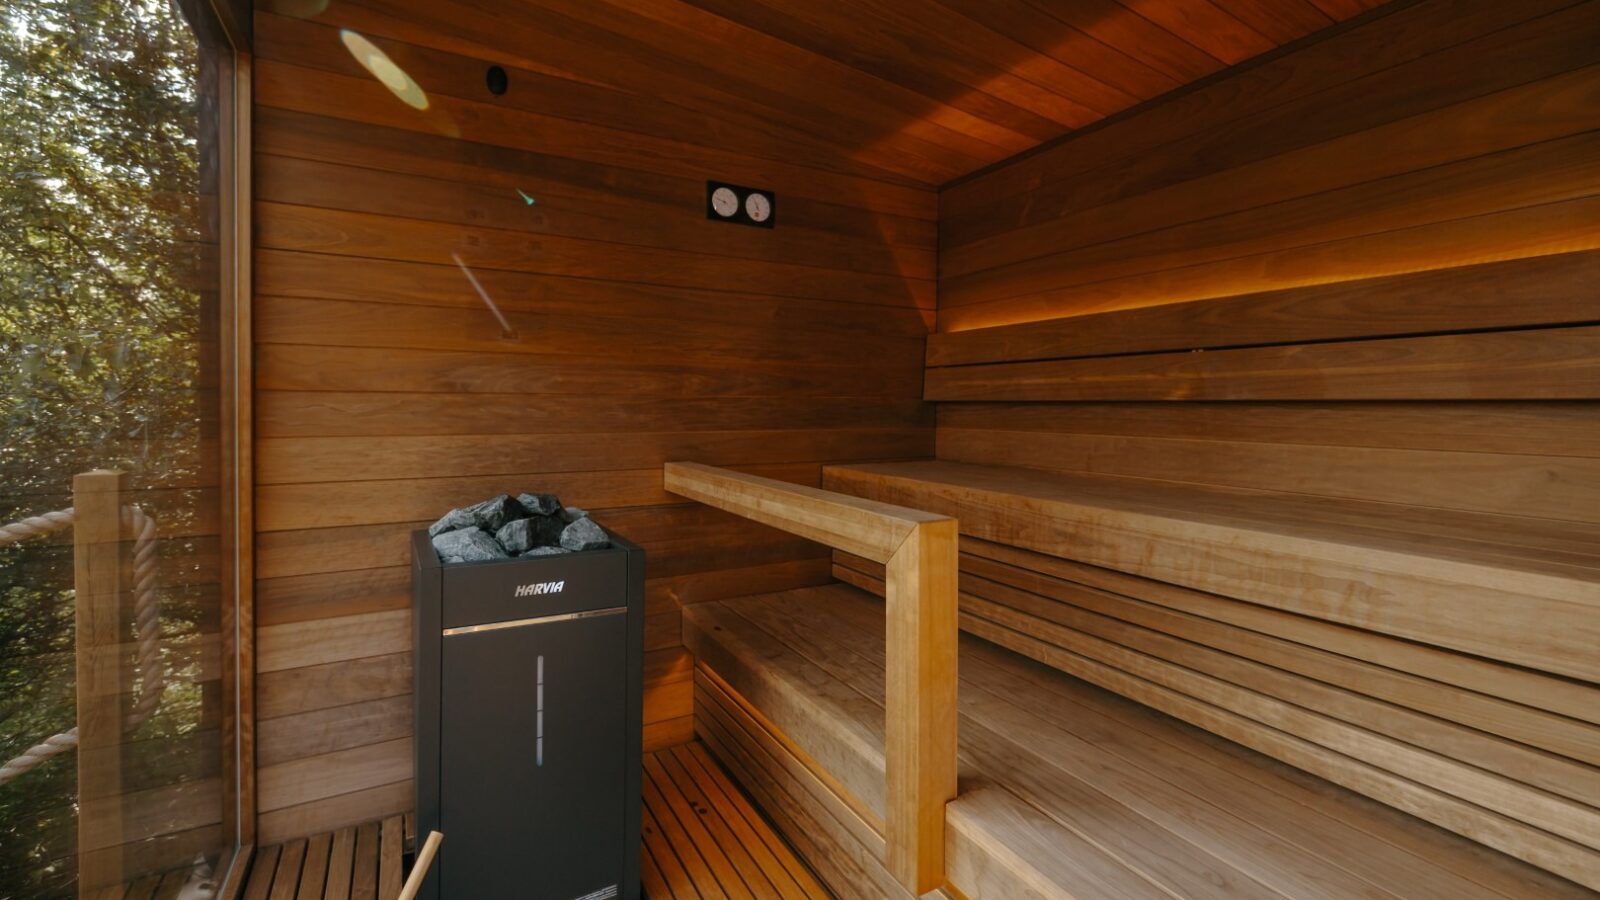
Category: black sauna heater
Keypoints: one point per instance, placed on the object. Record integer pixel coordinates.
(529, 722)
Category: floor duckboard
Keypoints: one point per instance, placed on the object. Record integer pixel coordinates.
(359, 862)
(704, 839)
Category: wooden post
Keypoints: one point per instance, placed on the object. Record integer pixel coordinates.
(922, 634)
(100, 577)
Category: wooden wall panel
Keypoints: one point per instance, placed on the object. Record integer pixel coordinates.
(1360, 274)
(1469, 146)
(611, 328)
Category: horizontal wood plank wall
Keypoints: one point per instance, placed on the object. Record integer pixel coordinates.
(523, 293)
(1437, 134)
(1363, 270)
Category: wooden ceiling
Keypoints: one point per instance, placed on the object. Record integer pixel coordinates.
(915, 91)
(933, 90)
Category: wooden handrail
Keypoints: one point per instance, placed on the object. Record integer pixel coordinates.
(863, 527)
(919, 552)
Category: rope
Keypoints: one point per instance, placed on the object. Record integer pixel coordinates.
(33, 526)
(146, 620)
(38, 753)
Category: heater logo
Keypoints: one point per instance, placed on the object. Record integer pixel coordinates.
(540, 587)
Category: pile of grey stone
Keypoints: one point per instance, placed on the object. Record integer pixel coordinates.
(504, 527)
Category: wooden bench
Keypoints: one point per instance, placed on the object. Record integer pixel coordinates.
(1438, 661)
(1067, 790)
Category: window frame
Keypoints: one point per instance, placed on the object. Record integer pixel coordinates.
(232, 18)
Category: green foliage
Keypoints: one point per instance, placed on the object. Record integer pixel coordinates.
(98, 262)
(105, 247)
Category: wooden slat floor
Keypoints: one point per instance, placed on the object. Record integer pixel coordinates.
(157, 886)
(363, 862)
(703, 839)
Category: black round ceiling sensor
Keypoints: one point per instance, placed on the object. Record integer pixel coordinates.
(498, 81)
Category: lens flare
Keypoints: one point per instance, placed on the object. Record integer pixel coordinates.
(383, 68)
(524, 195)
(506, 331)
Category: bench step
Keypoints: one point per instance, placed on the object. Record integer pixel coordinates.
(1520, 591)
(1439, 663)
(1066, 789)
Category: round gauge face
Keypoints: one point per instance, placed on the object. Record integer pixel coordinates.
(724, 201)
(757, 207)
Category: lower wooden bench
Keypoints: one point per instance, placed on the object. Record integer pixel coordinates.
(1067, 790)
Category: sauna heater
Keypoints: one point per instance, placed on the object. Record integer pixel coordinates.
(529, 723)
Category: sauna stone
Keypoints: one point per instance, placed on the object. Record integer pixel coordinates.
(584, 534)
(518, 537)
(528, 533)
(451, 521)
(528, 525)
(546, 530)
(470, 544)
(493, 514)
(547, 551)
(540, 504)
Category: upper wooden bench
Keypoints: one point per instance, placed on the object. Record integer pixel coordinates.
(1530, 596)
(1444, 663)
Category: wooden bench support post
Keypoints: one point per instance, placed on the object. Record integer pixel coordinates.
(920, 701)
(919, 552)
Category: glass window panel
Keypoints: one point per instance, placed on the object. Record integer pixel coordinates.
(111, 291)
